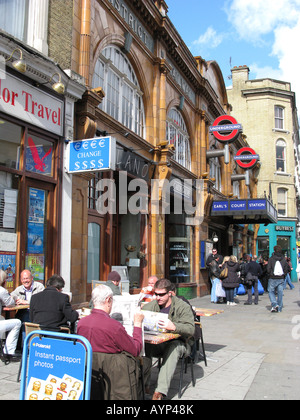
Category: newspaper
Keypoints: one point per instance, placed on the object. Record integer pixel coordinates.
(151, 321)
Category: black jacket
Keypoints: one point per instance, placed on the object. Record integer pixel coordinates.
(51, 309)
(277, 256)
(254, 268)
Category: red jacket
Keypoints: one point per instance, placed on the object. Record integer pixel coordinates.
(107, 335)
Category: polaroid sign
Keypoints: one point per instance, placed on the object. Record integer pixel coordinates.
(97, 154)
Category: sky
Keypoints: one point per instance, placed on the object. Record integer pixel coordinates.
(262, 34)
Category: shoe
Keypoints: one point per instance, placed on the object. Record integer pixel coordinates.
(228, 303)
(275, 309)
(233, 304)
(157, 396)
(248, 303)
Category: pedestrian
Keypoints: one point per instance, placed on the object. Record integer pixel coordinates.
(264, 278)
(232, 280)
(287, 279)
(255, 271)
(213, 264)
(277, 270)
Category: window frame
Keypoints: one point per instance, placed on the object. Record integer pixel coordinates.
(279, 119)
(177, 134)
(115, 74)
(279, 203)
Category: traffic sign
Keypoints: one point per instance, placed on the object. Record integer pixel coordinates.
(246, 158)
(226, 129)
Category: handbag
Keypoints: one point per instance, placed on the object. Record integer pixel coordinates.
(250, 279)
(224, 273)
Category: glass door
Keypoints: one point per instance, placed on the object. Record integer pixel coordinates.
(39, 246)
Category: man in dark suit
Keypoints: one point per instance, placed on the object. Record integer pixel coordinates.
(51, 308)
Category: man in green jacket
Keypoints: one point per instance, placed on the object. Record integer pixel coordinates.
(180, 321)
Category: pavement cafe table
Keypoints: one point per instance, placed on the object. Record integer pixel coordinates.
(207, 312)
(9, 310)
(159, 338)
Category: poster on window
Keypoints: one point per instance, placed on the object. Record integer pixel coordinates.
(36, 206)
(36, 264)
(8, 264)
(35, 238)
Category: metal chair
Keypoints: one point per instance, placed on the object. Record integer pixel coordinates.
(184, 360)
(198, 323)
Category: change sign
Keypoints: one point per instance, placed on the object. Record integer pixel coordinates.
(97, 154)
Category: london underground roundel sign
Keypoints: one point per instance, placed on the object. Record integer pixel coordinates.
(225, 129)
(246, 158)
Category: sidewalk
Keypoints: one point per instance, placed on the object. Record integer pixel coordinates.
(252, 354)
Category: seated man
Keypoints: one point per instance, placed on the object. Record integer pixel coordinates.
(12, 326)
(147, 293)
(22, 295)
(105, 334)
(180, 321)
(108, 336)
(113, 281)
(51, 308)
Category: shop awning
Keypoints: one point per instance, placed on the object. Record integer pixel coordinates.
(254, 211)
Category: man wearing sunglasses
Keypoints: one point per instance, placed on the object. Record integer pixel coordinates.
(180, 321)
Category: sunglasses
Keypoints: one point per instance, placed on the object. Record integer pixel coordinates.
(161, 294)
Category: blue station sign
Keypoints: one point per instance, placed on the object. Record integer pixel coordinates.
(259, 210)
(97, 154)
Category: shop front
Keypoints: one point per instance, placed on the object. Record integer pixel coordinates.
(31, 126)
(283, 234)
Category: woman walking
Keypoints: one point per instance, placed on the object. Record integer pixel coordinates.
(232, 280)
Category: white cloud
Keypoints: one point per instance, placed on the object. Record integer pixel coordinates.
(254, 18)
(209, 38)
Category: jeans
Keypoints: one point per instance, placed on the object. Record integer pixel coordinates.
(256, 294)
(229, 294)
(213, 296)
(12, 326)
(170, 353)
(276, 285)
(289, 282)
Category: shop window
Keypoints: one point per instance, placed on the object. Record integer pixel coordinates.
(263, 246)
(282, 202)
(10, 144)
(94, 234)
(279, 118)
(123, 96)
(39, 156)
(93, 193)
(285, 243)
(180, 250)
(281, 156)
(178, 136)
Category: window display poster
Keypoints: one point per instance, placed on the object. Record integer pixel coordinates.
(36, 264)
(36, 206)
(8, 264)
(36, 220)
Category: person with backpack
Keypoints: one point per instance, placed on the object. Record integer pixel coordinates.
(277, 270)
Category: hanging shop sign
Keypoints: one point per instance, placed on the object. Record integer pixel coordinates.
(246, 158)
(226, 129)
(97, 154)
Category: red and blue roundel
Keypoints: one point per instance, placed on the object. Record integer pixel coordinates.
(226, 129)
(246, 158)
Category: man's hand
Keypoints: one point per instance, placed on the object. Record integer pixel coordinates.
(138, 319)
(167, 325)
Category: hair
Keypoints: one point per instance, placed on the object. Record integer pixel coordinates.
(277, 248)
(233, 258)
(56, 281)
(100, 294)
(226, 258)
(3, 277)
(163, 284)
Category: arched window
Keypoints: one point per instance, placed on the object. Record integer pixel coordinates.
(177, 134)
(123, 96)
(282, 202)
(281, 156)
